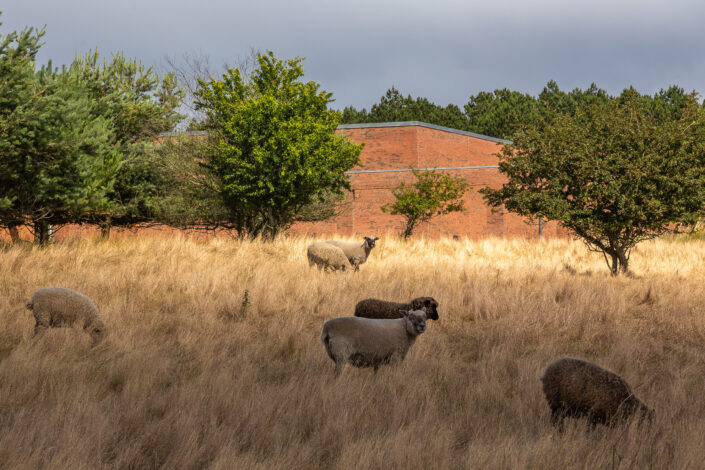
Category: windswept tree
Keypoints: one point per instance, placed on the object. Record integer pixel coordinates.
(616, 172)
(431, 195)
(272, 145)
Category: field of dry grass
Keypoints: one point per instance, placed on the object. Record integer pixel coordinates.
(214, 359)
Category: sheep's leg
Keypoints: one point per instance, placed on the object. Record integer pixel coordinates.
(39, 328)
(557, 417)
(338, 368)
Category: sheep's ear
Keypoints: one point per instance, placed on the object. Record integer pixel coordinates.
(376, 238)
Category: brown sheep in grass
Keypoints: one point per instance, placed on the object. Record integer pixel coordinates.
(58, 306)
(578, 388)
(375, 308)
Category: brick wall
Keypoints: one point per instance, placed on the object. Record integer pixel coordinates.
(401, 146)
(391, 147)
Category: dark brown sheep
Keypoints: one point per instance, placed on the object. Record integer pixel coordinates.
(375, 308)
(577, 388)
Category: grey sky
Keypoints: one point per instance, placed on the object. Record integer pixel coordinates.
(444, 50)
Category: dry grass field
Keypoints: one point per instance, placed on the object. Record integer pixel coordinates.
(214, 358)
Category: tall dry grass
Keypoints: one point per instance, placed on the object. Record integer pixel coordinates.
(196, 375)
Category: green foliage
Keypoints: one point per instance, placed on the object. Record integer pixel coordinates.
(394, 107)
(501, 113)
(615, 172)
(57, 162)
(432, 194)
(191, 197)
(273, 146)
(140, 105)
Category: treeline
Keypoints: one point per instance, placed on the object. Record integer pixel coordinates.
(501, 113)
(94, 142)
(85, 144)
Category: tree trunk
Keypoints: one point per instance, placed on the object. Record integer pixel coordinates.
(42, 232)
(14, 233)
(623, 261)
(620, 262)
(410, 224)
(105, 231)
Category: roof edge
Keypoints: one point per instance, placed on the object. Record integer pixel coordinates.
(423, 124)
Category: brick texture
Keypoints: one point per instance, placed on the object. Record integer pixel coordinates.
(417, 146)
(396, 148)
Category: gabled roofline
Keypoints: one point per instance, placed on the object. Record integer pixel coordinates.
(423, 124)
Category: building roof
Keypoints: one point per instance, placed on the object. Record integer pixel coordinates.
(423, 124)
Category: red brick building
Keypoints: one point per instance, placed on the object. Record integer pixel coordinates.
(391, 151)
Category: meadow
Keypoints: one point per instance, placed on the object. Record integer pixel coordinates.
(214, 358)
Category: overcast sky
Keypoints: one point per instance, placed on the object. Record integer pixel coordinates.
(444, 50)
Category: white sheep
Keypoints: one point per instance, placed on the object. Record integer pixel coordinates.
(58, 306)
(327, 256)
(371, 342)
(356, 253)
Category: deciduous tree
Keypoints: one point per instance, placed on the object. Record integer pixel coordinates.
(615, 172)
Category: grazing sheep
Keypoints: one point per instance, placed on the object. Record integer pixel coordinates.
(374, 308)
(576, 388)
(58, 306)
(327, 256)
(356, 253)
(368, 342)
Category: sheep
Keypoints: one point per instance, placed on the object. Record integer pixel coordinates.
(58, 306)
(371, 342)
(374, 308)
(327, 256)
(576, 388)
(356, 253)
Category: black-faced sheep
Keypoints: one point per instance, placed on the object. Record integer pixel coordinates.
(577, 388)
(356, 253)
(374, 308)
(58, 306)
(327, 256)
(367, 342)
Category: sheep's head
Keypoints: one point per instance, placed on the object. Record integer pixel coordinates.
(370, 242)
(635, 406)
(97, 331)
(429, 303)
(415, 321)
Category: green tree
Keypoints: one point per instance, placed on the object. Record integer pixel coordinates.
(615, 173)
(501, 113)
(56, 161)
(272, 144)
(395, 107)
(432, 194)
(140, 105)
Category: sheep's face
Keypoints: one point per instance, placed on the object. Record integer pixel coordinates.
(370, 242)
(415, 321)
(97, 332)
(429, 303)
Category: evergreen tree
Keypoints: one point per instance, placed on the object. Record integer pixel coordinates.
(56, 161)
(140, 105)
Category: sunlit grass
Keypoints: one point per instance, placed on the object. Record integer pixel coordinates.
(193, 375)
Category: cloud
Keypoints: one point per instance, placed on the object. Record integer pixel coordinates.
(445, 50)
